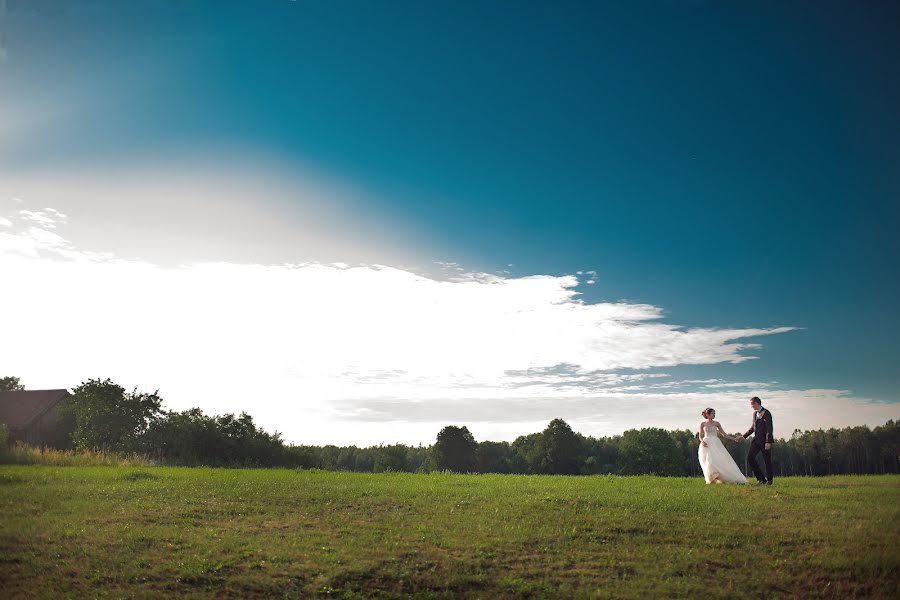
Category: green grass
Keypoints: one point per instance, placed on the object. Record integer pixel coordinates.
(182, 532)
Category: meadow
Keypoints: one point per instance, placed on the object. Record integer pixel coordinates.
(135, 532)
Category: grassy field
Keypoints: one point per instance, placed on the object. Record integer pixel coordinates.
(151, 532)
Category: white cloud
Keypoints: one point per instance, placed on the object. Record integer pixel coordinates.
(47, 218)
(362, 353)
(5, 222)
(610, 413)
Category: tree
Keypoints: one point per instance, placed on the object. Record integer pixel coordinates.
(107, 417)
(561, 449)
(416, 458)
(390, 458)
(494, 457)
(10, 384)
(455, 450)
(888, 440)
(191, 437)
(649, 451)
(528, 456)
(602, 455)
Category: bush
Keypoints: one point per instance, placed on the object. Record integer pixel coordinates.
(193, 438)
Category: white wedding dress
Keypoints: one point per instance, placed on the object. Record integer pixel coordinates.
(715, 460)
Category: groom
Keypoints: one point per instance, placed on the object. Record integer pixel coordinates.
(761, 430)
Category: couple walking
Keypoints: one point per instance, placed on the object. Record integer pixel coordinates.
(716, 462)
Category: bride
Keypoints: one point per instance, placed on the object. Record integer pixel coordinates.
(716, 462)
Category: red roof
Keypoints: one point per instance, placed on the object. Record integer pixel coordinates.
(18, 409)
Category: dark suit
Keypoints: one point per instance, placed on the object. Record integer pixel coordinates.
(762, 433)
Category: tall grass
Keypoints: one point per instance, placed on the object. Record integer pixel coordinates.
(24, 454)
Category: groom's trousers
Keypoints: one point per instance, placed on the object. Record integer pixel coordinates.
(767, 458)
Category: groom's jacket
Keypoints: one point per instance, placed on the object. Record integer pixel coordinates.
(761, 430)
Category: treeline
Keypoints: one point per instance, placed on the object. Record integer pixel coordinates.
(104, 416)
(852, 450)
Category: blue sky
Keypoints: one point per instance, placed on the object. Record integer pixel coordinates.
(736, 166)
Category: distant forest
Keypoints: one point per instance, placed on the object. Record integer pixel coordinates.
(104, 416)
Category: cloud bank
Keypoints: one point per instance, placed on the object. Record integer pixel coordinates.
(341, 353)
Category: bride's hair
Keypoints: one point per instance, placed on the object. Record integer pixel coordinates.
(706, 412)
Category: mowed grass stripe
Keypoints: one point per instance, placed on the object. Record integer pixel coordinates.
(198, 532)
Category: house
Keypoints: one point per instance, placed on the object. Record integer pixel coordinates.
(34, 417)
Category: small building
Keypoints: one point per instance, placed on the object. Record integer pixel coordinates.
(34, 417)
